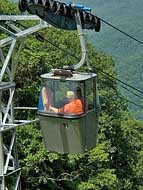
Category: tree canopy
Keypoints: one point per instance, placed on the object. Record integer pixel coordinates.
(116, 162)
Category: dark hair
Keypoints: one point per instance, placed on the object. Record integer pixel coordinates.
(78, 89)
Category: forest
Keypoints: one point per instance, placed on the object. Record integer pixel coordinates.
(127, 53)
(117, 161)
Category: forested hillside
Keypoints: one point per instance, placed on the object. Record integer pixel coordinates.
(117, 161)
(127, 53)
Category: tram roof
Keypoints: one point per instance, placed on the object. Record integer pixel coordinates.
(74, 77)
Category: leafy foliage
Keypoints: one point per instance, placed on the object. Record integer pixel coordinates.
(116, 162)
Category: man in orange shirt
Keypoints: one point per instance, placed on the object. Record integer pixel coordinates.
(74, 106)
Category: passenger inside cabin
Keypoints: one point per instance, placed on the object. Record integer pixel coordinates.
(47, 97)
(74, 105)
(60, 103)
(80, 96)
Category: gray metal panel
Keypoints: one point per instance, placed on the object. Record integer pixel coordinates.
(63, 135)
(52, 131)
(76, 76)
(91, 129)
(69, 135)
(76, 135)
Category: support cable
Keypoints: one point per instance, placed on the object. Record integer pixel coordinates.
(134, 88)
(121, 31)
(129, 90)
(133, 103)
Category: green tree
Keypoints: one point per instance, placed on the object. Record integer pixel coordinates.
(116, 162)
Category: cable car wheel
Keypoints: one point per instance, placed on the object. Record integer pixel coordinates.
(23, 4)
(97, 24)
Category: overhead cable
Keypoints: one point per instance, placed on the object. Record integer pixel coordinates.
(129, 91)
(131, 102)
(121, 31)
(108, 75)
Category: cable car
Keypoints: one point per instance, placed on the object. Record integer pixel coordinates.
(65, 131)
(69, 103)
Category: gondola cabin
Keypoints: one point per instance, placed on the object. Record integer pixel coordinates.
(68, 112)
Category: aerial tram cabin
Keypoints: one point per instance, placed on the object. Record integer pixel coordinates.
(67, 132)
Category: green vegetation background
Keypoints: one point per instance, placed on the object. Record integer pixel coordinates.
(117, 161)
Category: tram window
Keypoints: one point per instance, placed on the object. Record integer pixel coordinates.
(89, 94)
(61, 97)
(60, 94)
(46, 95)
(79, 92)
(54, 95)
